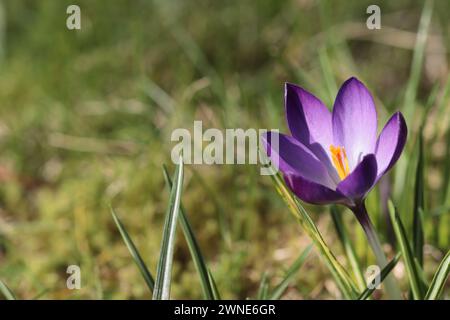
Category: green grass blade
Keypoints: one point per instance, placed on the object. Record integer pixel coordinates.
(343, 280)
(327, 73)
(41, 294)
(405, 248)
(383, 274)
(134, 252)
(446, 189)
(418, 237)
(4, 289)
(164, 271)
(214, 286)
(159, 96)
(417, 62)
(263, 287)
(439, 279)
(444, 220)
(290, 274)
(423, 279)
(193, 246)
(401, 172)
(224, 227)
(348, 247)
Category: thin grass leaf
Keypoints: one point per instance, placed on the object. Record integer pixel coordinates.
(417, 61)
(444, 221)
(383, 274)
(224, 227)
(134, 252)
(290, 274)
(401, 172)
(7, 293)
(441, 109)
(327, 73)
(343, 280)
(164, 270)
(214, 286)
(439, 279)
(405, 248)
(418, 237)
(421, 273)
(193, 246)
(193, 51)
(159, 96)
(440, 210)
(431, 100)
(41, 294)
(348, 247)
(263, 287)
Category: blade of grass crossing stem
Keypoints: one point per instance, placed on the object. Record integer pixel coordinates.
(439, 279)
(343, 280)
(419, 204)
(193, 246)
(164, 271)
(382, 275)
(405, 248)
(4, 289)
(290, 274)
(348, 247)
(134, 252)
(263, 287)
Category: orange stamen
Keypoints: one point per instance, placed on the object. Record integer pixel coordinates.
(340, 161)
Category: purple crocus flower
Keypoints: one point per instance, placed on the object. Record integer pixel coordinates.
(335, 157)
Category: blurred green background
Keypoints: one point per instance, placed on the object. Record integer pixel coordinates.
(86, 117)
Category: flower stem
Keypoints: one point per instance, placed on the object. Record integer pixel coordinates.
(363, 217)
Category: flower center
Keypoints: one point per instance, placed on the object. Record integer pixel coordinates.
(340, 161)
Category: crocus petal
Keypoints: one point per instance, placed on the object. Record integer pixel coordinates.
(309, 121)
(356, 185)
(290, 156)
(390, 143)
(312, 192)
(308, 118)
(355, 121)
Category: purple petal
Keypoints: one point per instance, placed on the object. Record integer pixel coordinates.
(312, 192)
(390, 143)
(308, 118)
(309, 121)
(360, 181)
(355, 121)
(291, 157)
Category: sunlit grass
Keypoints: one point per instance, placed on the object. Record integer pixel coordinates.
(85, 123)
